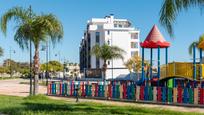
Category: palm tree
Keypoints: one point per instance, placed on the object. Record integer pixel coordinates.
(106, 52)
(171, 8)
(37, 28)
(190, 49)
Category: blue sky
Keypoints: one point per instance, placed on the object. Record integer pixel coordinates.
(74, 14)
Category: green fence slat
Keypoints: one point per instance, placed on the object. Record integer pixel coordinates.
(150, 93)
(65, 88)
(133, 91)
(170, 95)
(191, 96)
(118, 91)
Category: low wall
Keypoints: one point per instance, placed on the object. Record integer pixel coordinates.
(128, 91)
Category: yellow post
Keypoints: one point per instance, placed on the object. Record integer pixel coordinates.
(137, 93)
(93, 90)
(154, 94)
(175, 95)
(106, 91)
(121, 91)
(195, 96)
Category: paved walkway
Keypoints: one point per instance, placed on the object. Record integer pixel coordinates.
(12, 87)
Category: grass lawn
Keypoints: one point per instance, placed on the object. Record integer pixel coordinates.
(40, 105)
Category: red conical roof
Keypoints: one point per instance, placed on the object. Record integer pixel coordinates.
(155, 39)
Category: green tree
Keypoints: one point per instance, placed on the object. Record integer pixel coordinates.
(171, 8)
(37, 28)
(190, 49)
(135, 64)
(11, 66)
(4, 69)
(137, 60)
(129, 65)
(54, 66)
(106, 52)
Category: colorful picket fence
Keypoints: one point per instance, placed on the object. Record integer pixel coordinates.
(127, 91)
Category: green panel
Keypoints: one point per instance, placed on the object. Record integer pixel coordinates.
(170, 83)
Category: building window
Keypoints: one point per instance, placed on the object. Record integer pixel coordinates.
(89, 66)
(108, 62)
(133, 53)
(134, 36)
(120, 25)
(108, 42)
(97, 63)
(98, 37)
(99, 26)
(115, 25)
(134, 45)
(108, 32)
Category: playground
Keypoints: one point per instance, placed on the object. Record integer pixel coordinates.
(175, 83)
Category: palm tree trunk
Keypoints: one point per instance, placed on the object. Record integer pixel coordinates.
(104, 70)
(36, 69)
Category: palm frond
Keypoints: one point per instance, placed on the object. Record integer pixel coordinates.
(22, 36)
(107, 52)
(19, 15)
(170, 10)
(51, 26)
(118, 50)
(96, 50)
(1, 51)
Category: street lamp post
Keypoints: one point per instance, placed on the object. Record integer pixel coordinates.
(31, 84)
(59, 56)
(47, 74)
(10, 52)
(64, 68)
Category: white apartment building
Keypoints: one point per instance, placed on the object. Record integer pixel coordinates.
(112, 31)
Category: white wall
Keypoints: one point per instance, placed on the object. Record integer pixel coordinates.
(122, 40)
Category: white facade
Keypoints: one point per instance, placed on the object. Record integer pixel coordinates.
(115, 32)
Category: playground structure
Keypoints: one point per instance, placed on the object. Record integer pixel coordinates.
(154, 40)
(186, 70)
